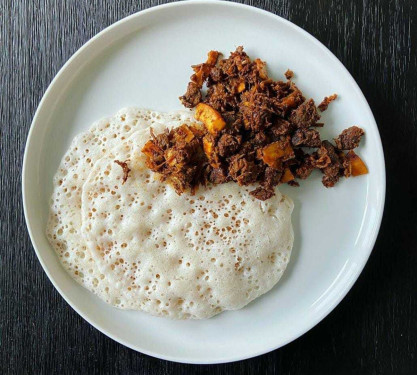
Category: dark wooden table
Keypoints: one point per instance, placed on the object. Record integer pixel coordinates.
(373, 330)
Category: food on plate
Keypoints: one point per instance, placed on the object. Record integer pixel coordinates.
(183, 257)
(123, 227)
(289, 74)
(137, 245)
(255, 130)
(125, 168)
(326, 101)
(349, 138)
(64, 224)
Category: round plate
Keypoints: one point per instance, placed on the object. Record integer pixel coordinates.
(144, 60)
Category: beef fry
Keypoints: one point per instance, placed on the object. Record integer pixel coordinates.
(254, 131)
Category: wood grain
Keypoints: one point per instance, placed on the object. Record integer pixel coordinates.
(374, 329)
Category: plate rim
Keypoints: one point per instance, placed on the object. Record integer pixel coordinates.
(334, 301)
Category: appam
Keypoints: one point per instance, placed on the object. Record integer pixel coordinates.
(138, 245)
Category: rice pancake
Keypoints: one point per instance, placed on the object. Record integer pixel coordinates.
(64, 224)
(188, 256)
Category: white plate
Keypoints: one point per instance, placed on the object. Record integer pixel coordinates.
(145, 60)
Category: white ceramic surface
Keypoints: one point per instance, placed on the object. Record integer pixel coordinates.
(144, 60)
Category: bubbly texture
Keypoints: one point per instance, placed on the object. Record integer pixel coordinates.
(138, 245)
(64, 224)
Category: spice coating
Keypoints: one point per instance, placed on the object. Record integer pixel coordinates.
(255, 131)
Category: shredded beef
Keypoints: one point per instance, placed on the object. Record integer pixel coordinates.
(349, 138)
(306, 166)
(347, 167)
(260, 139)
(217, 176)
(333, 168)
(306, 138)
(215, 75)
(305, 115)
(242, 170)
(126, 169)
(220, 99)
(262, 194)
(280, 127)
(192, 96)
(326, 101)
(254, 131)
(178, 156)
(291, 101)
(293, 183)
(228, 144)
(289, 74)
(271, 177)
